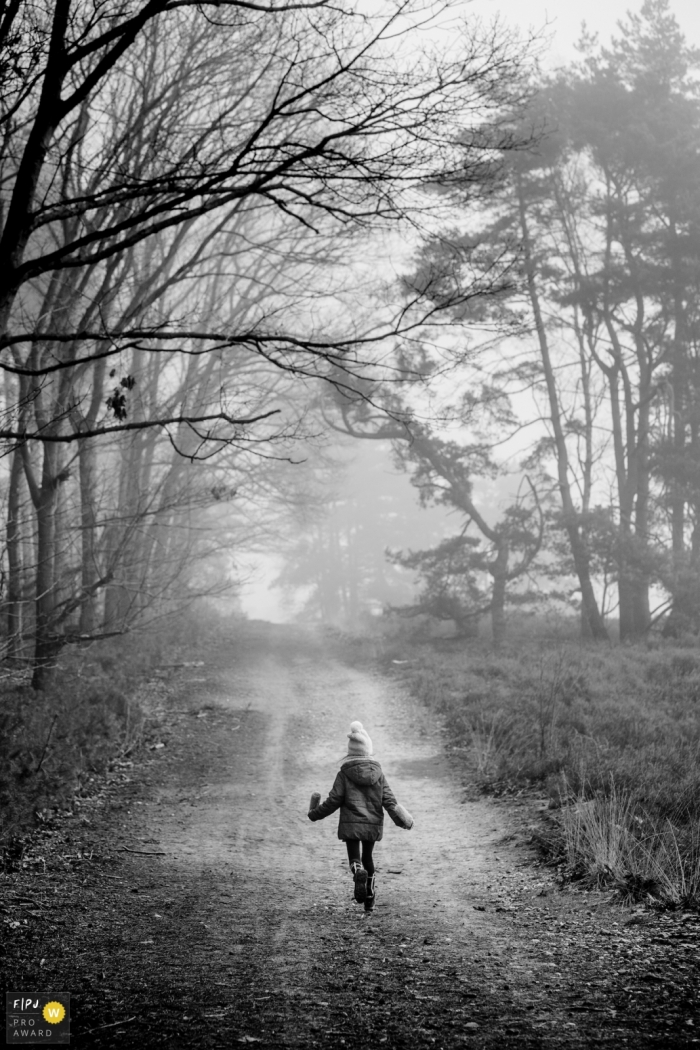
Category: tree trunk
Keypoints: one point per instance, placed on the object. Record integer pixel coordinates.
(63, 573)
(88, 521)
(47, 643)
(589, 603)
(119, 540)
(499, 571)
(684, 614)
(627, 473)
(591, 611)
(13, 606)
(637, 404)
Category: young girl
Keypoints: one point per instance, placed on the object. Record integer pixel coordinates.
(362, 794)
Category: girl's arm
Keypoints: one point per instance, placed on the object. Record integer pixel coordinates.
(333, 802)
(398, 814)
(388, 797)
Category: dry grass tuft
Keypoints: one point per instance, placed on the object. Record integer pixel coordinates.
(610, 840)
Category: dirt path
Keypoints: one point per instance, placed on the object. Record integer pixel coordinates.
(236, 924)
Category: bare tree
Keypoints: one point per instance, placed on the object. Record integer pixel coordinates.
(125, 126)
(148, 156)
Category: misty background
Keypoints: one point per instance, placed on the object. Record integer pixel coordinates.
(343, 315)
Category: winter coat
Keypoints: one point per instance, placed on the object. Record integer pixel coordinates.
(361, 793)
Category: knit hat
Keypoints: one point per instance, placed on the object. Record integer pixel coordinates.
(360, 744)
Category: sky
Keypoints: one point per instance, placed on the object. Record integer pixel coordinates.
(565, 17)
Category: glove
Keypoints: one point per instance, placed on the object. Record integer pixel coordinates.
(401, 817)
(315, 799)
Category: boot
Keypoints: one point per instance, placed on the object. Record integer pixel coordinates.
(370, 894)
(359, 876)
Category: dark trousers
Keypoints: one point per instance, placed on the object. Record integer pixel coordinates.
(361, 849)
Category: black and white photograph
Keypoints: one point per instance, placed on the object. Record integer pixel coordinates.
(350, 524)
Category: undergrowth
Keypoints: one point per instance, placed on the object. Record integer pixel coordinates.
(610, 734)
(54, 742)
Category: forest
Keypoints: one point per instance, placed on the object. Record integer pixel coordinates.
(385, 301)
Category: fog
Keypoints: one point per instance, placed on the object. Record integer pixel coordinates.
(559, 30)
(408, 334)
(561, 23)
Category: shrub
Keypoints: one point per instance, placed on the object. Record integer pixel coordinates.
(52, 742)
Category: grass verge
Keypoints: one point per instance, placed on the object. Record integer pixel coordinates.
(610, 734)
